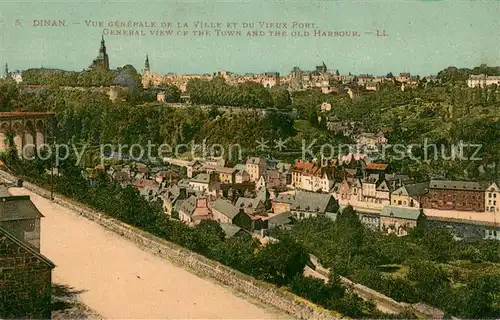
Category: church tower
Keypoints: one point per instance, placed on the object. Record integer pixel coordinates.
(146, 64)
(103, 55)
(6, 71)
(102, 60)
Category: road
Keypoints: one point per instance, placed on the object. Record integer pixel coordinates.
(121, 281)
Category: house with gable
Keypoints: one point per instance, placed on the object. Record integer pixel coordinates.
(194, 209)
(194, 167)
(226, 175)
(20, 217)
(171, 197)
(312, 204)
(25, 274)
(256, 167)
(399, 220)
(208, 184)
(251, 206)
(492, 198)
(282, 202)
(223, 211)
(312, 176)
(409, 195)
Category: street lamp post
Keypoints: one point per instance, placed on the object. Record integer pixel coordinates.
(52, 155)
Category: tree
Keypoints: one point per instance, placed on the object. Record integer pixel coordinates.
(432, 283)
(8, 93)
(439, 243)
(316, 290)
(281, 97)
(280, 262)
(208, 236)
(349, 234)
(478, 298)
(172, 93)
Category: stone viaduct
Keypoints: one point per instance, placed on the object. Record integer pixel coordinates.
(29, 129)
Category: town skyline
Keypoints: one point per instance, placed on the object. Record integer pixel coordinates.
(256, 71)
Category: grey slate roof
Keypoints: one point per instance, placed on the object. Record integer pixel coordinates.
(229, 229)
(310, 201)
(457, 185)
(225, 207)
(243, 202)
(184, 183)
(255, 160)
(27, 247)
(281, 219)
(285, 198)
(202, 177)
(189, 205)
(18, 208)
(401, 213)
(172, 193)
(417, 189)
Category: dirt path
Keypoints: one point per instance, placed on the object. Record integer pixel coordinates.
(119, 280)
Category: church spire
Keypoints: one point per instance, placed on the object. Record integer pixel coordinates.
(146, 64)
(6, 70)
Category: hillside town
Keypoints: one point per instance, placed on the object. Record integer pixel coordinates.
(357, 234)
(263, 193)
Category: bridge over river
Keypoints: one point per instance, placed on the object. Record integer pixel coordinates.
(121, 281)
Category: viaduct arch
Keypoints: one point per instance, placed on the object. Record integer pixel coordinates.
(29, 130)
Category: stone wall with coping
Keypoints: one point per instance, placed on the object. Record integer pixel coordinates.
(25, 283)
(197, 264)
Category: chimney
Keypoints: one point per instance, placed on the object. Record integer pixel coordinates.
(182, 193)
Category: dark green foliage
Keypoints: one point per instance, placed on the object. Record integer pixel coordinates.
(218, 92)
(375, 260)
(317, 291)
(280, 262)
(8, 93)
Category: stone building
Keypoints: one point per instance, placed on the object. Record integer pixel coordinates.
(492, 198)
(398, 220)
(25, 280)
(20, 217)
(311, 204)
(455, 195)
(255, 166)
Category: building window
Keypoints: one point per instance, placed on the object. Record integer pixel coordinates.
(494, 195)
(489, 195)
(399, 202)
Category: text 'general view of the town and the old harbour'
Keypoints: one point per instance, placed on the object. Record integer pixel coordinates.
(242, 161)
(205, 28)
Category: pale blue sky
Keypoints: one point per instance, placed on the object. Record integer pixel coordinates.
(424, 36)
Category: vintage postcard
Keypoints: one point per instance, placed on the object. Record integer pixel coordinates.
(249, 159)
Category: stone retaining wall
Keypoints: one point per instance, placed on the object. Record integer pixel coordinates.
(267, 293)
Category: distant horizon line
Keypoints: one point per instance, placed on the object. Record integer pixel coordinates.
(140, 71)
